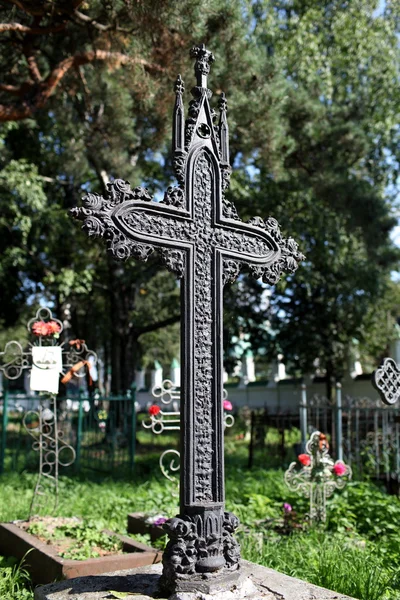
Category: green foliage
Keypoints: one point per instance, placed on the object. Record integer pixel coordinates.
(87, 538)
(332, 193)
(14, 580)
(357, 553)
(334, 562)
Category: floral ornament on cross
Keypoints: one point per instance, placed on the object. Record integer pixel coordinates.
(41, 328)
(318, 475)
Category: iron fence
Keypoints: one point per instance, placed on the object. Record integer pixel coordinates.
(102, 430)
(361, 431)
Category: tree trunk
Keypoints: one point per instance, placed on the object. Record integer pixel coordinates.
(329, 379)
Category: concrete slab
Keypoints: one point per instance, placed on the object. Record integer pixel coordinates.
(257, 583)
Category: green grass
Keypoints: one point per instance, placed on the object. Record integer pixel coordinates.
(14, 580)
(356, 553)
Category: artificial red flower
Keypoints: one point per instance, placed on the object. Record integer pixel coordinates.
(43, 328)
(305, 459)
(339, 469)
(53, 327)
(154, 410)
(39, 328)
(227, 405)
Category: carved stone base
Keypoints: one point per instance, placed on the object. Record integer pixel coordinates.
(243, 588)
(207, 583)
(201, 550)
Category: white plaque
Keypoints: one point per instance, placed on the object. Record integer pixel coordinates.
(46, 368)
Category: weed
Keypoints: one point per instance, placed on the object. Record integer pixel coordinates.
(14, 580)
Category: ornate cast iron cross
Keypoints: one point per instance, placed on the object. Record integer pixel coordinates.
(386, 380)
(200, 238)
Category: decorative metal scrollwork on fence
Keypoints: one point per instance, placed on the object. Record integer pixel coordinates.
(42, 424)
(161, 421)
(318, 476)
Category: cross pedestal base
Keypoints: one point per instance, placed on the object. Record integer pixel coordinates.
(208, 583)
(255, 583)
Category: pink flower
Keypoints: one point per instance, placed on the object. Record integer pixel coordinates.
(227, 405)
(39, 328)
(154, 410)
(305, 459)
(43, 328)
(287, 508)
(159, 521)
(339, 469)
(53, 327)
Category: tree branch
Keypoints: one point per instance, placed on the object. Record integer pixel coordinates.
(31, 30)
(41, 9)
(87, 20)
(137, 331)
(14, 89)
(83, 19)
(47, 87)
(32, 65)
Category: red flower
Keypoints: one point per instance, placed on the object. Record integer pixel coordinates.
(339, 469)
(43, 328)
(154, 410)
(227, 405)
(53, 327)
(305, 459)
(39, 328)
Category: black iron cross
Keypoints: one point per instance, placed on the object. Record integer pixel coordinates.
(200, 238)
(386, 380)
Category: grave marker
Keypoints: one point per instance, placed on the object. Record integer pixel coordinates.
(46, 359)
(199, 237)
(319, 475)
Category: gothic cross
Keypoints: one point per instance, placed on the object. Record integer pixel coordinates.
(386, 380)
(199, 237)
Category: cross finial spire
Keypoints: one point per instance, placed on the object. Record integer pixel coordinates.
(202, 66)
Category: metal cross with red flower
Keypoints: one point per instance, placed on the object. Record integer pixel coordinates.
(46, 358)
(170, 421)
(46, 331)
(318, 476)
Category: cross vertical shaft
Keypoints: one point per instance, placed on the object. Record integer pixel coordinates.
(202, 475)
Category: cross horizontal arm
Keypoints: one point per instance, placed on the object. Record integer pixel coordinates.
(133, 224)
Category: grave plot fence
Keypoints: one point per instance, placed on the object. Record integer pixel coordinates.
(272, 437)
(102, 430)
(362, 431)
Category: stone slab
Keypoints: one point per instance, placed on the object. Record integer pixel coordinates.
(257, 583)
